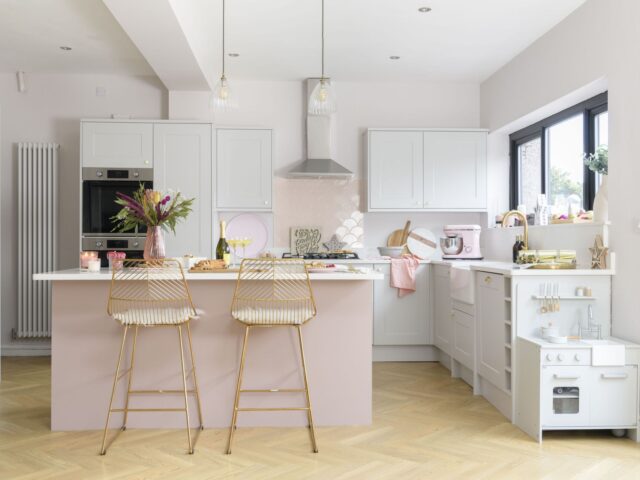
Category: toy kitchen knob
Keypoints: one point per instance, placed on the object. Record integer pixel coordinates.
(99, 244)
(549, 357)
(136, 244)
(560, 357)
(98, 173)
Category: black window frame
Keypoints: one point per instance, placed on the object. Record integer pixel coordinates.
(590, 109)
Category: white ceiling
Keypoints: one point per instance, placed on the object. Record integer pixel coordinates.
(31, 32)
(460, 40)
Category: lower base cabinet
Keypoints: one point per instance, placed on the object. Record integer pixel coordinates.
(463, 337)
(442, 321)
(401, 320)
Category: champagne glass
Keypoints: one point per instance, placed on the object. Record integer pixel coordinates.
(234, 243)
(246, 241)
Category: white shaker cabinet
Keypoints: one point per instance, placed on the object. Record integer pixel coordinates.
(427, 170)
(183, 162)
(117, 144)
(455, 170)
(244, 169)
(490, 328)
(401, 320)
(395, 170)
(442, 312)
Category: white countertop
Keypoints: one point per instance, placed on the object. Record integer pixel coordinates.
(76, 274)
(574, 343)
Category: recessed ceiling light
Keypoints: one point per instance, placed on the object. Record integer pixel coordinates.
(424, 9)
(394, 57)
(65, 48)
(234, 55)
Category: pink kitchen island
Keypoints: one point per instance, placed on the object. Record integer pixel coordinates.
(338, 343)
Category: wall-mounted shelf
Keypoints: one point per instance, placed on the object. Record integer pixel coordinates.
(541, 297)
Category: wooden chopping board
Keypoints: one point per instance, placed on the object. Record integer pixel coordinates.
(399, 237)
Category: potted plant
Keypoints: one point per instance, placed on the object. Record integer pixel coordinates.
(598, 162)
(155, 210)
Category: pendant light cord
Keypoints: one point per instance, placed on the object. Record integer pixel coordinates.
(322, 39)
(223, 47)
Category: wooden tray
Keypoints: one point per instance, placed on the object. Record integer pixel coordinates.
(213, 270)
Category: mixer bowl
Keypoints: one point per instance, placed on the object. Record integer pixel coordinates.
(451, 245)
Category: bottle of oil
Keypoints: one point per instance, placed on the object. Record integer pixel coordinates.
(517, 247)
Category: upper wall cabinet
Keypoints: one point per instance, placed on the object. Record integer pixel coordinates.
(395, 170)
(455, 170)
(244, 169)
(441, 170)
(117, 144)
(183, 162)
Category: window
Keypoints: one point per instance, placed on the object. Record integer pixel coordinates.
(547, 157)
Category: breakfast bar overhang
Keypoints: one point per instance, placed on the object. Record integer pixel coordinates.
(338, 343)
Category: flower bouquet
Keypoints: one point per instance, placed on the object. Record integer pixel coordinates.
(155, 210)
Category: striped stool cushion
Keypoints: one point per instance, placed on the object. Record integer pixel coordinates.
(272, 316)
(149, 317)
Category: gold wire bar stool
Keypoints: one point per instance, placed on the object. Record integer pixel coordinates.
(272, 293)
(152, 293)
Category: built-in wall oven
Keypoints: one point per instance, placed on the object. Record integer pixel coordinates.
(99, 188)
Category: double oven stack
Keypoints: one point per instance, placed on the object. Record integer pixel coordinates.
(99, 188)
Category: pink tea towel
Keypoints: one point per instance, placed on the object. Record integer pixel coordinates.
(403, 274)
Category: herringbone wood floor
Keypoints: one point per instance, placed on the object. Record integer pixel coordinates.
(426, 425)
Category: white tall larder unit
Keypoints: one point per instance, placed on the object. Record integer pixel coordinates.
(244, 169)
(183, 162)
(117, 144)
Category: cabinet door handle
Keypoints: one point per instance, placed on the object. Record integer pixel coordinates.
(487, 280)
(614, 376)
(566, 377)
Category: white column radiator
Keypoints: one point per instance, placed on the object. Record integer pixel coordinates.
(37, 235)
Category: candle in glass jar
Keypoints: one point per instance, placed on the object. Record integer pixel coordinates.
(85, 257)
(94, 265)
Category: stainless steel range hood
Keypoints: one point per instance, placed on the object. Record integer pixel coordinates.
(320, 151)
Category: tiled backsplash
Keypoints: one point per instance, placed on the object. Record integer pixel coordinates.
(331, 204)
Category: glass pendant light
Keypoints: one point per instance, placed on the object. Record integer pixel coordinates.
(323, 98)
(222, 93)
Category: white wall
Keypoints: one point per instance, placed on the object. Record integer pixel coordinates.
(50, 111)
(595, 46)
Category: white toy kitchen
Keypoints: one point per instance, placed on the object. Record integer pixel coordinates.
(570, 374)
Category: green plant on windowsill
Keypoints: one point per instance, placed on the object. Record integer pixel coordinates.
(598, 162)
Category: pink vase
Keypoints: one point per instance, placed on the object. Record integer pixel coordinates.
(154, 244)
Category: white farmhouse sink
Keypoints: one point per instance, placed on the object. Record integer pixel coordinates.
(606, 353)
(461, 283)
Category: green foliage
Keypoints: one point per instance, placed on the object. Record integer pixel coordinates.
(598, 162)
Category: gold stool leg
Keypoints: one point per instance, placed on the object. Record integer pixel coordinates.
(312, 429)
(184, 385)
(234, 417)
(133, 357)
(103, 450)
(195, 378)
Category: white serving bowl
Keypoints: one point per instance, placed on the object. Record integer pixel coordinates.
(393, 252)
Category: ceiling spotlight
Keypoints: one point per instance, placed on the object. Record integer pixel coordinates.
(394, 57)
(424, 9)
(234, 55)
(65, 48)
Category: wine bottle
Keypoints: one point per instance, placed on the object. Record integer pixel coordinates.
(223, 252)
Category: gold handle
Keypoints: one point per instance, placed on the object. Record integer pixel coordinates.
(487, 280)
